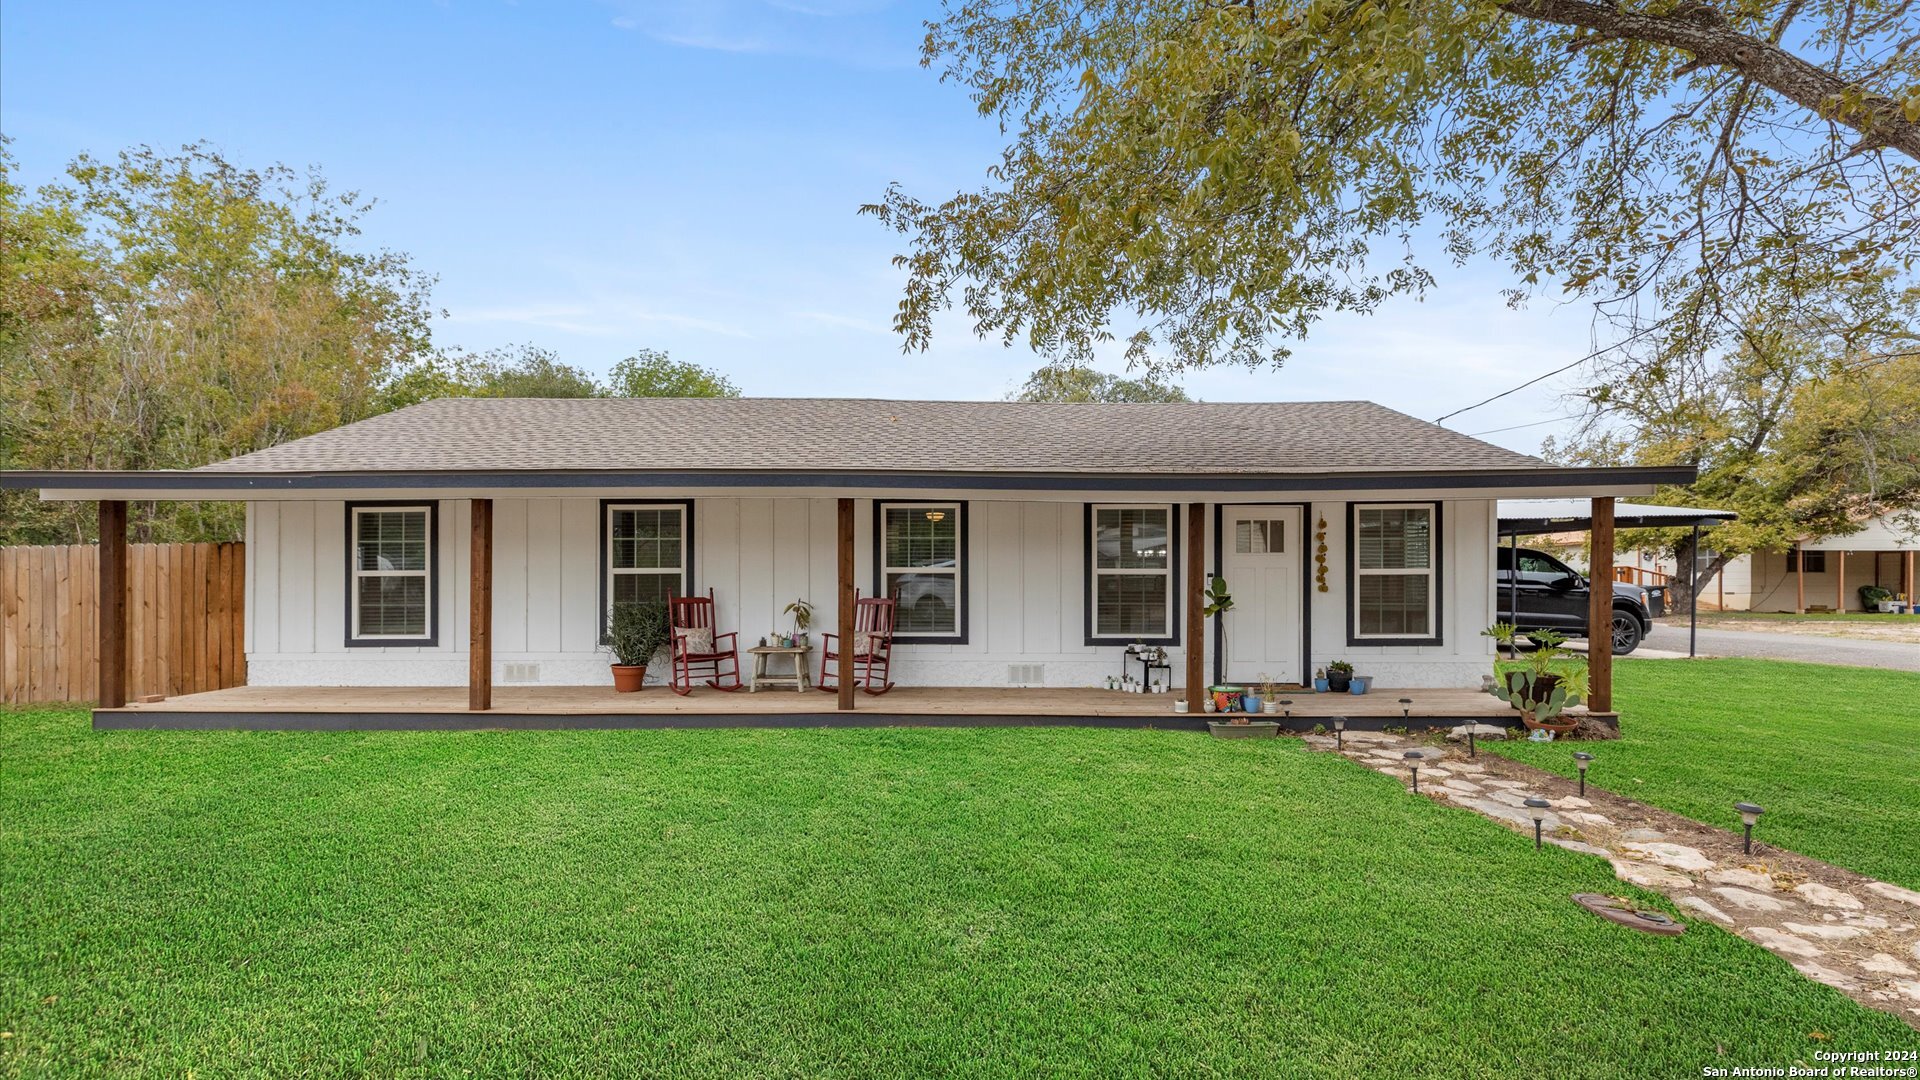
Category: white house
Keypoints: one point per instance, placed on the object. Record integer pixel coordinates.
(1027, 544)
(1819, 575)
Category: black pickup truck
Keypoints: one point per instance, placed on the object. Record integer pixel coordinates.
(1553, 597)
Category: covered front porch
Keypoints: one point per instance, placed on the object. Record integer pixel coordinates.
(544, 707)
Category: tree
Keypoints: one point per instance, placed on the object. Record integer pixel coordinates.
(650, 373)
(1060, 382)
(1230, 171)
(167, 310)
(1802, 445)
(528, 371)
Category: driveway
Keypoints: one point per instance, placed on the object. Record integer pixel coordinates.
(1668, 640)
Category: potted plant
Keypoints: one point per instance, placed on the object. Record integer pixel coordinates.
(1251, 698)
(634, 634)
(802, 613)
(1269, 696)
(1320, 683)
(1219, 602)
(1226, 699)
(1339, 676)
(1360, 685)
(1551, 680)
(1502, 634)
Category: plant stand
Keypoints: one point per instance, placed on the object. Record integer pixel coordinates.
(801, 679)
(1253, 729)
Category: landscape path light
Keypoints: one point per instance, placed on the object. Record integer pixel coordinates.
(1749, 816)
(1537, 809)
(1340, 732)
(1406, 704)
(1582, 759)
(1286, 707)
(1413, 762)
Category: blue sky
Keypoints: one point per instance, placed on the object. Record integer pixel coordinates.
(598, 176)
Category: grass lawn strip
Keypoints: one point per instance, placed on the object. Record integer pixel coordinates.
(847, 903)
(1832, 753)
(1850, 932)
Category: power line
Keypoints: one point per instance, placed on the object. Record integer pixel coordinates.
(1517, 427)
(1556, 371)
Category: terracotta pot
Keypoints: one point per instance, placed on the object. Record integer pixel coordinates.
(627, 679)
(1558, 727)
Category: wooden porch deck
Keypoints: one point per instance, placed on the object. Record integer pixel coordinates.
(445, 707)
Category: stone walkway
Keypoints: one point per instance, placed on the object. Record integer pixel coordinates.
(1855, 934)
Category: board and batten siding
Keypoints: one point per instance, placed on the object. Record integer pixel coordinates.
(1025, 581)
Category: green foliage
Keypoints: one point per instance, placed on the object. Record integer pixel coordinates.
(1815, 744)
(802, 613)
(651, 373)
(637, 631)
(1523, 691)
(1340, 667)
(1219, 600)
(168, 310)
(387, 904)
(1231, 172)
(1069, 382)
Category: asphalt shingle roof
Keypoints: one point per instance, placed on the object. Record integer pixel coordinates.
(861, 435)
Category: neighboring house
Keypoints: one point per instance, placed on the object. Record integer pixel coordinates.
(1882, 552)
(1029, 543)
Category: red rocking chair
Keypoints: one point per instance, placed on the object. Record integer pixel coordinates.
(693, 617)
(872, 644)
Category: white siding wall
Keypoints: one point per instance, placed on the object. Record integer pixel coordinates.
(1025, 585)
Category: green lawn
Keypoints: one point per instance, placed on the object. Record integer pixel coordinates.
(1832, 753)
(1004, 902)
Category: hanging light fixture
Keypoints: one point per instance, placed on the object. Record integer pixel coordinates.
(936, 515)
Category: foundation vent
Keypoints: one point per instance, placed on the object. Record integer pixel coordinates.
(1027, 674)
(520, 673)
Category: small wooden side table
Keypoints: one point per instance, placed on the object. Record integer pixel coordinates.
(801, 679)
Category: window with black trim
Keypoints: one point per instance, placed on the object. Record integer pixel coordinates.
(1130, 573)
(1395, 561)
(1814, 561)
(390, 573)
(920, 561)
(646, 552)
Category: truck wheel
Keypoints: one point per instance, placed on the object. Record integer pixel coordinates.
(1626, 633)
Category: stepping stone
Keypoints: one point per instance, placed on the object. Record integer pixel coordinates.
(1459, 787)
(1815, 893)
(1508, 784)
(1572, 802)
(1480, 731)
(1508, 798)
(1677, 856)
(1514, 814)
(1779, 941)
(1747, 900)
(1886, 964)
(1321, 742)
(1388, 769)
(1695, 903)
(1577, 845)
(1824, 932)
(1746, 879)
(1916, 950)
(1826, 975)
(1649, 877)
(1467, 767)
(1645, 836)
(1585, 818)
(1895, 892)
(1911, 989)
(1434, 771)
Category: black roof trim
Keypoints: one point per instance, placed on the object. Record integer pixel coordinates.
(183, 482)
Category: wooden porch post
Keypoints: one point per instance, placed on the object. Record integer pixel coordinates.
(480, 610)
(1799, 580)
(845, 628)
(112, 649)
(1840, 581)
(1600, 611)
(1196, 601)
(1906, 579)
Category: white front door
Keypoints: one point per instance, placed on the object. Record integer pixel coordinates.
(1261, 552)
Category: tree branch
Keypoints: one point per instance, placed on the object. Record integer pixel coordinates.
(1703, 33)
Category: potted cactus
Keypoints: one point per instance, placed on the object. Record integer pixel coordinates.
(1542, 690)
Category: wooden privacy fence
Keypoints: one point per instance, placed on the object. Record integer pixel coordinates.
(185, 621)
